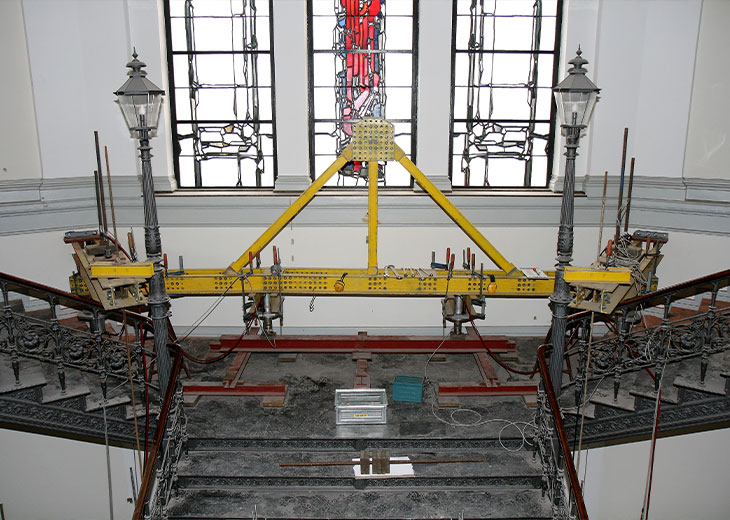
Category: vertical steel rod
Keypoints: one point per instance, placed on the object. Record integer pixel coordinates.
(603, 212)
(621, 186)
(100, 181)
(111, 195)
(628, 195)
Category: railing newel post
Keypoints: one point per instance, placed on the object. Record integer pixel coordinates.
(707, 336)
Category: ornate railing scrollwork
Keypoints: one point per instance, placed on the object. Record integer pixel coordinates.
(160, 474)
(634, 345)
(45, 339)
(560, 481)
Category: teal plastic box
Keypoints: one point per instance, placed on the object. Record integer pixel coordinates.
(408, 389)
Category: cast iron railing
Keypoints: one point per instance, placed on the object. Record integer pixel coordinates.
(160, 472)
(560, 480)
(45, 339)
(636, 345)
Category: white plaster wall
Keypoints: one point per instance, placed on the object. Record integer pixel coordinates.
(434, 92)
(68, 479)
(291, 84)
(690, 478)
(19, 154)
(642, 57)
(708, 149)
(78, 51)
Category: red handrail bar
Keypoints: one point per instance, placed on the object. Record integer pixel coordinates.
(560, 427)
(159, 433)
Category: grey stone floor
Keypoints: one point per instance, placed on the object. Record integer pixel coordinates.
(309, 411)
(236, 445)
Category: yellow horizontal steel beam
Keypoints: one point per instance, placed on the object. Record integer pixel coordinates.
(112, 270)
(613, 275)
(358, 282)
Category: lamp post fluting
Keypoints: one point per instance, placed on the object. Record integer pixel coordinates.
(576, 97)
(140, 100)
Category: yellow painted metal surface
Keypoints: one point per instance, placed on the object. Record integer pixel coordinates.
(372, 140)
(373, 217)
(112, 270)
(612, 275)
(357, 282)
(291, 212)
(457, 216)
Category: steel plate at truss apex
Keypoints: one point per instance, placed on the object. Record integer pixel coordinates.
(373, 140)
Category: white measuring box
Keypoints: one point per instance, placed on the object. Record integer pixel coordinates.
(361, 406)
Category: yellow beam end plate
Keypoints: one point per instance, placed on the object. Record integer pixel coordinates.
(372, 140)
(577, 275)
(112, 270)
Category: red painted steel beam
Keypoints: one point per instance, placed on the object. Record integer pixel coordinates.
(481, 389)
(244, 389)
(468, 344)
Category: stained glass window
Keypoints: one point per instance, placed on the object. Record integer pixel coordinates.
(362, 63)
(221, 81)
(505, 59)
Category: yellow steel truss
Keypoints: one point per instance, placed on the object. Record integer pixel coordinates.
(373, 142)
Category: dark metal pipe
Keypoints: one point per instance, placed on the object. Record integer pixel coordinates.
(628, 195)
(621, 186)
(100, 184)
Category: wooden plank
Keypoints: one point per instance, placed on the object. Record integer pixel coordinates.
(273, 400)
(235, 370)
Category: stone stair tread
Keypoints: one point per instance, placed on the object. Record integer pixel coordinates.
(497, 463)
(603, 392)
(93, 405)
(53, 393)
(623, 401)
(644, 387)
(31, 375)
(354, 504)
(589, 409)
(712, 385)
(141, 412)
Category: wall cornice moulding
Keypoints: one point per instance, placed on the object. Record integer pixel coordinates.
(659, 203)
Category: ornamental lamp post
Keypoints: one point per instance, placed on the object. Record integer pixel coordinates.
(576, 97)
(140, 101)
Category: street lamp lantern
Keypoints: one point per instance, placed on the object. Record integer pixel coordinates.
(139, 98)
(576, 95)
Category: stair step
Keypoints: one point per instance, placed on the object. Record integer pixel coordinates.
(624, 400)
(141, 412)
(31, 375)
(359, 504)
(644, 386)
(500, 467)
(52, 394)
(95, 404)
(714, 384)
(589, 410)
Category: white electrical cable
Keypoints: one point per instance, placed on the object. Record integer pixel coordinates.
(478, 422)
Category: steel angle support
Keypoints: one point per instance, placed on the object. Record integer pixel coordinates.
(457, 216)
(289, 214)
